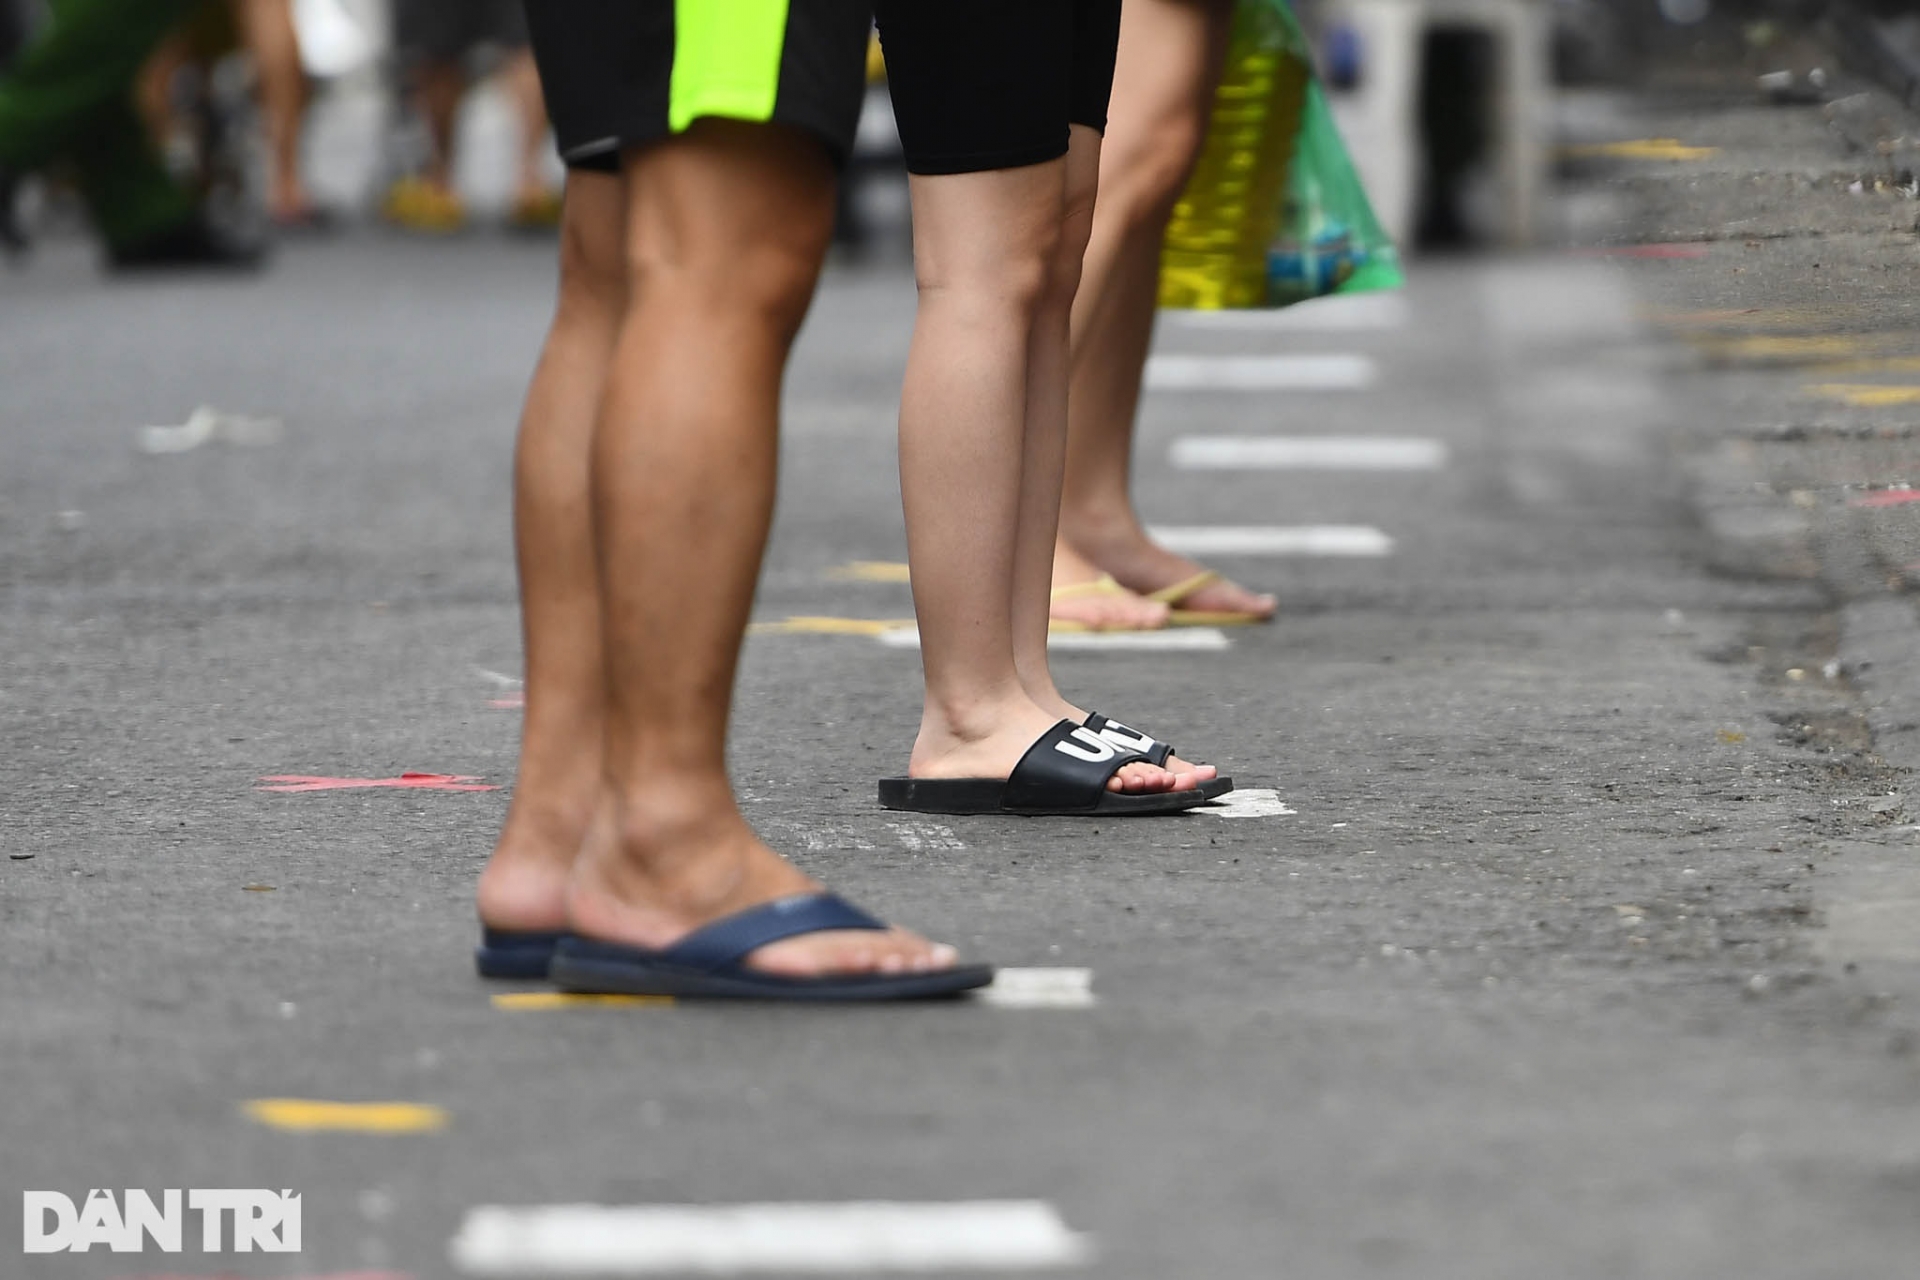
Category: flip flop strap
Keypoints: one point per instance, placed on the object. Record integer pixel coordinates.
(729, 940)
(1156, 752)
(1104, 585)
(1067, 769)
(1179, 591)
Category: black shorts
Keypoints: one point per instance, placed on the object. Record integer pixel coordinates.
(618, 74)
(994, 84)
(449, 30)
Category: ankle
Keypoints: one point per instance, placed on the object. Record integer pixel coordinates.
(660, 834)
(969, 718)
(654, 874)
(1042, 693)
(537, 832)
(1096, 529)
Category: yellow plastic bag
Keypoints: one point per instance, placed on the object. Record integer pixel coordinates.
(1274, 213)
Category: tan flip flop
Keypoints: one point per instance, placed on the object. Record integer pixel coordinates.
(1178, 617)
(1104, 585)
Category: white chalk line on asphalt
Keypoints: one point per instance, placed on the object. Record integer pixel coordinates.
(1349, 313)
(915, 837)
(1273, 540)
(1038, 989)
(1248, 802)
(1340, 372)
(1308, 453)
(858, 1237)
(1172, 640)
(920, 837)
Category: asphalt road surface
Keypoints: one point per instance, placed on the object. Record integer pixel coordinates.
(1507, 964)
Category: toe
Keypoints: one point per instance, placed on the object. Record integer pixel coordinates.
(1141, 779)
(852, 951)
(1204, 772)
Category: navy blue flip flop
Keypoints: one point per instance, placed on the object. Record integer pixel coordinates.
(1157, 753)
(1063, 774)
(710, 963)
(511, 953)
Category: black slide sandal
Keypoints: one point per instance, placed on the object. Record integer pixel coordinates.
(1064, 774)
(1156, 752)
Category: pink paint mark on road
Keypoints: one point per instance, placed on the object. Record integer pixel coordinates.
(1645, 251)
(511, 702)
(413, 781)
(1887, 498)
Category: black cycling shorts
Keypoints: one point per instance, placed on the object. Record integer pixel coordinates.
(618, 74)
(994, 84)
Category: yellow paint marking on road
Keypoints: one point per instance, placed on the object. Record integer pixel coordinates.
(1819, 319)
(539, 1001)
(1742, 318)
(870, 571)
(1877, 364)
(303, 1115)
(1866, 395)
(1641, 149)
(1784, 349)
(828, 627)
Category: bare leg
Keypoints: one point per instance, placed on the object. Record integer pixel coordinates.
(1170, 56)
(522, 81)
(727, 225)
(275, 46)
(1046, 426)
(987, 257)
(1046, 440)
(153, 90)
(524, 886)
(438, 89)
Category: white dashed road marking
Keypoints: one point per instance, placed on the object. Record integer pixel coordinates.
(1273, 540)
(834, 1239)
(1261, 373)
(1308, 453)
(1039, 989)
(1249, 802)
(1174, 640)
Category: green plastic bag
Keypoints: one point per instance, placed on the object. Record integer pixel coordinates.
(1274, 213)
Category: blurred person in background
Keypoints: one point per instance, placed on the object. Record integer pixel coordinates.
(1108, 573)
(437, 41)
(192, 128)
(280, 81)
(68, 98)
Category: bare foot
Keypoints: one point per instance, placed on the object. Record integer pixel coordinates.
(1223, 595)
(942, 751)
(1083, 594)
(524, 886)
(1175, 765)
(676, 869)
(1143, 566)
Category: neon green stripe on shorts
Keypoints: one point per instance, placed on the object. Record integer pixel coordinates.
(726, 59)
